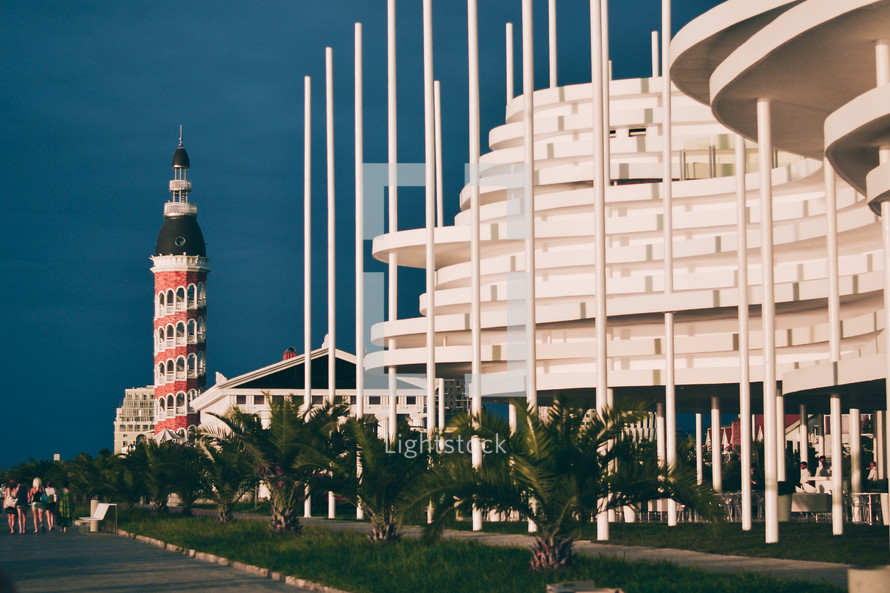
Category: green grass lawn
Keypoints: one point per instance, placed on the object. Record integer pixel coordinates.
(863, 545)
(347, 560)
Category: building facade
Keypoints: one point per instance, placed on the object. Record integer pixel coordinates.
(251, 391)
(135, 419)
(180, 325)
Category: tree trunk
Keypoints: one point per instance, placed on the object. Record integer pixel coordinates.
(224, 513)
(284, 520)
(383, 530)
(551, 553)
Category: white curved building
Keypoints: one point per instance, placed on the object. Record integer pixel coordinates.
(814, 64)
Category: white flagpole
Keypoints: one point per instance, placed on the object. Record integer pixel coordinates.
(307, 259)
(359, 250)
(332, 285)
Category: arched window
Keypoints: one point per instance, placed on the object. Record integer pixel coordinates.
(192, 332)
(202, 330)
(192, 365)
(171, 303)
(160, 408)
(180, 333)
(202, 294)
(192, 295)
(180, 299)
(159, 374)
(171, 339)
(180, 368)
(201, 363)
(192, 394)
(161, 304)
(170, 409)
(170, 371)
(180, 403)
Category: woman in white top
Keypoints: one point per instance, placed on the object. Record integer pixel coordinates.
(9, 500)
(51, 498)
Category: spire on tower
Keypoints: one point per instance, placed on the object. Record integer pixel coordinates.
(180, 186)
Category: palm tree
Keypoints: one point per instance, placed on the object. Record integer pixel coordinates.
(228, 472)
(275, 451)
(387, 472)
(559, 469)
(186, 470)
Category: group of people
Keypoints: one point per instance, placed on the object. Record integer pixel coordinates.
(808, 481)
(49, 506)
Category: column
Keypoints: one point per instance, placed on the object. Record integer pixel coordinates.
(804, 436)
(837, 492)
(771, 476)
(744, 350)
(307, 260)
(716, 446)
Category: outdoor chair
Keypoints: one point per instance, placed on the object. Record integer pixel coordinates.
(99, 515)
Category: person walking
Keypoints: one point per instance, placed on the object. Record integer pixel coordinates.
(21, 505)
(38, 503)
(9, 500)
(51, 504)
(66, 508)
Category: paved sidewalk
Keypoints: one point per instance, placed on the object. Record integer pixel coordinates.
(104, 563)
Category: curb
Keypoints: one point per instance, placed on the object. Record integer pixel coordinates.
(243, 567)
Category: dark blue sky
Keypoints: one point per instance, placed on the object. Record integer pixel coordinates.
(93, 95)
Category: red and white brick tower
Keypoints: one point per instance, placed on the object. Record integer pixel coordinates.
(180, 271)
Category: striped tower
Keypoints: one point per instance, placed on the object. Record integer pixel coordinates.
(180, 271)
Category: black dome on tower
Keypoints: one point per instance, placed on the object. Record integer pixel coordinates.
(180, 158)
(180, 235)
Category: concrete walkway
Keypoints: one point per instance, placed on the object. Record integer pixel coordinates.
(104, 563)
(76, 563)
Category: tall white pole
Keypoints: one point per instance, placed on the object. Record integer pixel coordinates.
(392, 160)
(882, 71)
(670, 402)
(551, 29)
(699, 461)
(332, 284)
(359, 249)
(655, 69)
(600, 135)
(440, 205)
(509, 54)
(744, 363)
(475, 255)
(855, 450)
(834, 344)
(837, 493)
(528, 121)
(803, 436)
(770, 420)
(528, 89)
(607, 177)
(359, 232)
(307, 260)
(430, 177)
(716, 446)
(307, 244)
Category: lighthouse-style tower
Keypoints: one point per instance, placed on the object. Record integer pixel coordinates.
(180, 271)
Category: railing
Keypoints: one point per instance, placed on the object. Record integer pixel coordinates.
(180, 207)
